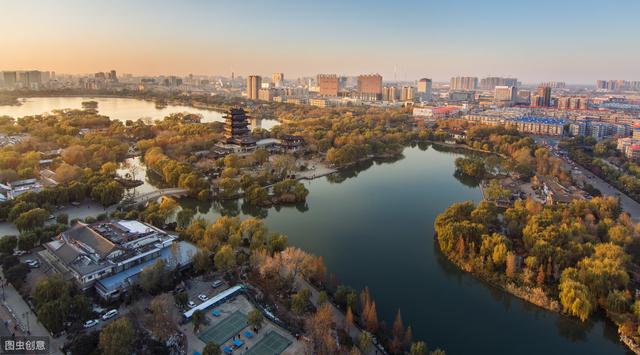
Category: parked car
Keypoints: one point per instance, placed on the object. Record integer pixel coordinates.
(216, 283)
(203, 297)
(52, 217)
(191, 304)
(19, 252)
(90, 323)
(34, 264)
(178, 289)
(110, 314)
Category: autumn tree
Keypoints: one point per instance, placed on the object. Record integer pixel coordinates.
(118, 337)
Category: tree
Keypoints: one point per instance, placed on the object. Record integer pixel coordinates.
(62, 218)
(300, 300)
(118, 337)
(320, 328)
(511, 265)
(31, 219)
(155, 278)
(8, 243)
(184, 217)
(418, 348)
(255, 318)
(17, 274)
(365, 340)
(181, 299)
(494, 191)
(225, 258)
(57, 301)
(162, 322)
(397, 334)
(575, 297)
(211, 349)
(371, 320)
(202, 261)
(197, 318)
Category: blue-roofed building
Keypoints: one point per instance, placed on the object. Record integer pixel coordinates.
(110, 255)
(544, 126)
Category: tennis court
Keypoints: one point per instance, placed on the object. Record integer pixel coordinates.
(272, 344)
(224, 330)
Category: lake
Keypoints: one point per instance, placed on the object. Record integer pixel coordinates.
(373, 225)
(117, 109)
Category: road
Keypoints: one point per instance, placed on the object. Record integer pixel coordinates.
(581, 174)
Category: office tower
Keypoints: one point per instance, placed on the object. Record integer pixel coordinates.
(277, 79)
(254, 83)
(424, 89)
(370, 86)
(10, 78)
(112, 76)
(491, 82)
(544, 94)
(328, 84)
(407, 93)
(463, 83)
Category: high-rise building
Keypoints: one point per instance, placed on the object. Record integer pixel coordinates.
(407, 93)
(277, 80)
(328, 84)
(389, 93)
(523, 97)
(254, 83)
(370, 85)
(505, 95)
(10, 78)
(424, 89)
(467, 83)
(544, 97)
(491, 82)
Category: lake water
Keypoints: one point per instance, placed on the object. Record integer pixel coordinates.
(116, 108)
(374, 227)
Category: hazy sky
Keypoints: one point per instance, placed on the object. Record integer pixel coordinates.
(577, 41)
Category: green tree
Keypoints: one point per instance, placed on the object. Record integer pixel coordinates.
(31, 219)
(225, 258)
(198, 319)
(211, 349)
(300, 301)
(255, 318)
(184, 217)
(418, 348)
(118, 337)
(8, 243)
(202, 261)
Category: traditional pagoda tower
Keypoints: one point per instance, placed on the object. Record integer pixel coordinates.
(236, 128)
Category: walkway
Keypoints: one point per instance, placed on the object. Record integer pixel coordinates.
(154, 195)
(24, 317)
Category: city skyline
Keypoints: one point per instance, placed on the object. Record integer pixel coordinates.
(571, 41)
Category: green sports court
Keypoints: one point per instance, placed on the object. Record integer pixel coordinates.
(272, 344)
(224, 330)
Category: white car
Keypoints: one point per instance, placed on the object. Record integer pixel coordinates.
(216, 283)
(90, 323)
(112, 313)
(203, 297)
(191, 304)
(32, 263)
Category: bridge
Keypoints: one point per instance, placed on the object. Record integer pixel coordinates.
(154, 195)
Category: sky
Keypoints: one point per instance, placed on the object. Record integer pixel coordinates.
(576, 41)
